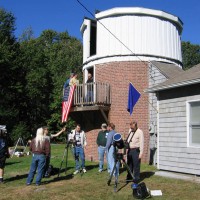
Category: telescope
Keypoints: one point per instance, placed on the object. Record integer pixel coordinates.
(118, 141)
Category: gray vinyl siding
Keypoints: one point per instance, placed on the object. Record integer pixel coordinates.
(174, 154)
(155, 77)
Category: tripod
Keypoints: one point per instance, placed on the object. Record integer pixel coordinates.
(65, 157)
(118, 157)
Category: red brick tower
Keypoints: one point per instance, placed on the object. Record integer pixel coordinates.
(118, 53)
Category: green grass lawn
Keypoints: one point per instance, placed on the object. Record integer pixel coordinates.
(92, 185)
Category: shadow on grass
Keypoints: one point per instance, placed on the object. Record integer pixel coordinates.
(144, 175)
(90, 167)
(12, 163)
(60, 178)
(15, 178)
(58, 173)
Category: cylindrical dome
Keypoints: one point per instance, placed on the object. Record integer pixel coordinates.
(129, 33)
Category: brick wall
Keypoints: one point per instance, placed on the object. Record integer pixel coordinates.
(118, 75)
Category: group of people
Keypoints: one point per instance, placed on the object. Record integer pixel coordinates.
(41, 154)
(135, 141)
(41, 151)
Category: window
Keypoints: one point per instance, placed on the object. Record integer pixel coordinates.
(194, 123)
(93, 38)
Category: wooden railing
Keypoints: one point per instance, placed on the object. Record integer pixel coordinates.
(92, 94)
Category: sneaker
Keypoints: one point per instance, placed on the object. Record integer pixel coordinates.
(84, 171)
(28, 184)
(100, 170)
(76, 172)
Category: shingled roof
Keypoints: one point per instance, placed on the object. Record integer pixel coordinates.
(167, 69)
(188, 77)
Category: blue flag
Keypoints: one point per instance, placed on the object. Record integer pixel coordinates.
(133, 96)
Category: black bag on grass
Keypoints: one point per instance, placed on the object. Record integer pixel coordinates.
(140, 191)
(51, 171)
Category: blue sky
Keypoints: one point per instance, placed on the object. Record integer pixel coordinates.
(67, 15)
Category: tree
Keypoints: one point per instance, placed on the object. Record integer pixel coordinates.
(33, 71)
(46, 62)
(191, 55)
(9, 70)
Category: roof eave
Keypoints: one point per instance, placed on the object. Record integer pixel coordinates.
(172, 86)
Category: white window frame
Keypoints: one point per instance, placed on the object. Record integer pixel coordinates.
(188, 106)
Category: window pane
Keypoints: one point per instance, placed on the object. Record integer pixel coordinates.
(195, 112)
(196, 134)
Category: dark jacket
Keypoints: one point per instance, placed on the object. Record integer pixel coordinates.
(3, 147)
(102, 138)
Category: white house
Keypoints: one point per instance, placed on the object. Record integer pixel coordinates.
(178, 122)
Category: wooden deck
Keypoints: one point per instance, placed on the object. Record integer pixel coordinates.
(91, 96)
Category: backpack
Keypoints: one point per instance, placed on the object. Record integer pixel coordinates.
(140, 191)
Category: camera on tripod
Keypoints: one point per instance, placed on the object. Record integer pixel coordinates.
(68, 139)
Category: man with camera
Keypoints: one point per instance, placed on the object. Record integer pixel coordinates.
(135, 140)
(79, 142)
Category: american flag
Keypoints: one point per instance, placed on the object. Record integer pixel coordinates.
(67, 102)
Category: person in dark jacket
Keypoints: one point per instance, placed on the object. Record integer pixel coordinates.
(3, 151)
(40, 148)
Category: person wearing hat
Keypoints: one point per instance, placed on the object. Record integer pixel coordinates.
(101, 142)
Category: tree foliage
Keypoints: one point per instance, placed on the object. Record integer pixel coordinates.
(33, 71)
(191, 55)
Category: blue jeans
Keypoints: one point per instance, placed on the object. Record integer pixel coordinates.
(111, 162)
(101, 152)
(79, 153)
(38, 163)
(89, 96)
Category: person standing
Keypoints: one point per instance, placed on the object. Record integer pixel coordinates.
(101, 142)
(89, 96)
(3, 151)
(135, 151)
(66, 84)
(74, 80)
(152, 143)
(111, 150)
(79, 139)
(48, 158)
(40, 148)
